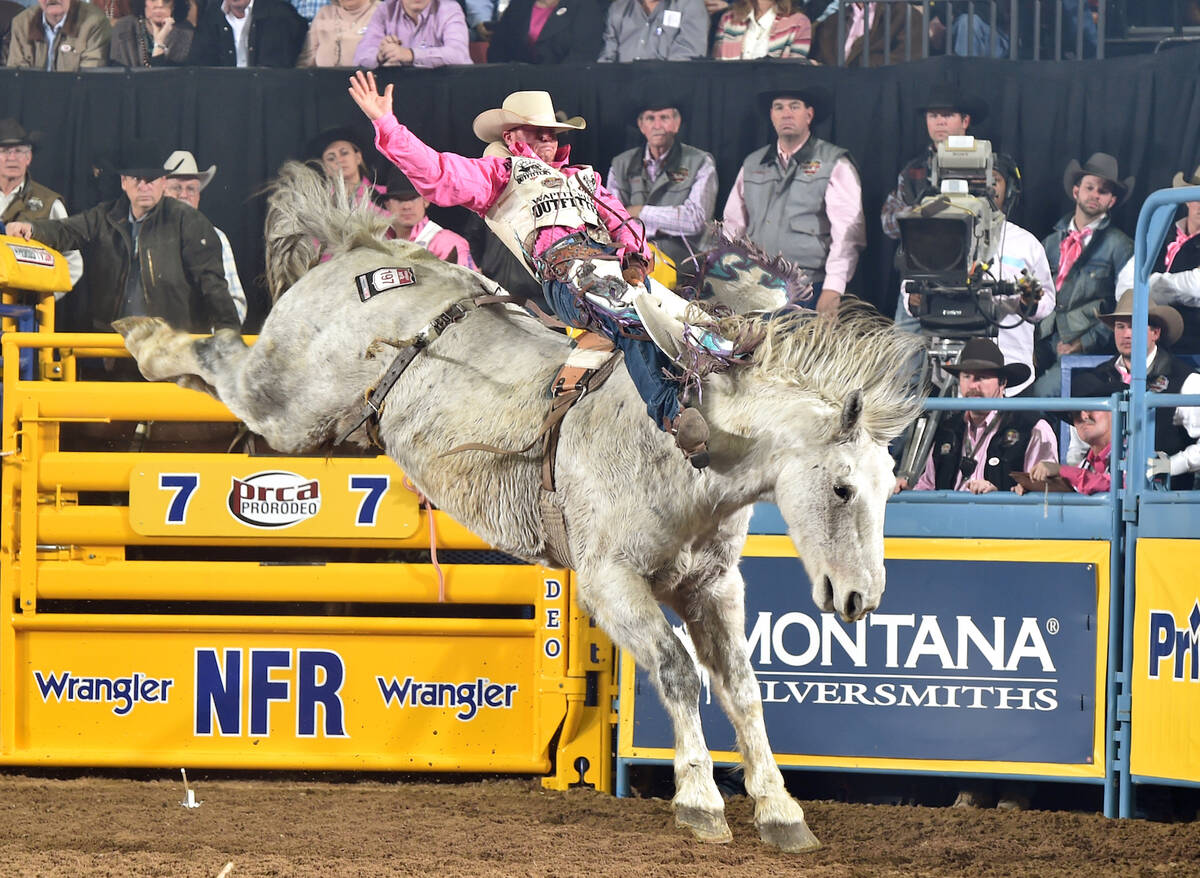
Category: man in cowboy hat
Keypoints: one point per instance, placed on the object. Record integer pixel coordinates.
(670, 186)
(144, 254)
(406, 207)
(21, 197)
(185, 182)
(800, 196)
(1175, 277)
(1176, 431)
(563, 225)
(1085, 252)
(978, 452)
(948, 112)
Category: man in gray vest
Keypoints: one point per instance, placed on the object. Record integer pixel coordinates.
(800, 196)
(670, 186)
(21, 197)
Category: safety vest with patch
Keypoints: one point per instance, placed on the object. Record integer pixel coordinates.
(540, 197)
(30, 202)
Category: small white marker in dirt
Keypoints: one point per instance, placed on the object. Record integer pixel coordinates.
(189, 800)
(224, 873)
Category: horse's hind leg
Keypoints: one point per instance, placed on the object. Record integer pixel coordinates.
(164, 353)
(720, 643)
(622, 605)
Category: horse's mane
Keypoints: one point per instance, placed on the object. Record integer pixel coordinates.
(305, 219)
(831, 355)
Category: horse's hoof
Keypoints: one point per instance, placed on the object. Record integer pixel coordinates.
(792, 838)
(707, 826)
(128, 325)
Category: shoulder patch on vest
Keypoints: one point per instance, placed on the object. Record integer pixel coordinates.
(1010, 438)
(678, 175)
(34, 202)
(1157, 384)
(810, 167)
(383, 279)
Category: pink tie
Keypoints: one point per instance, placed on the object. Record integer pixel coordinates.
(1068, 252)
(1180, 237)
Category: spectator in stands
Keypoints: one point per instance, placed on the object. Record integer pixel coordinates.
(667, 184)
(903, 37)
(1019, 253)
(1085, 252)
(1175, 279)
(248, 33)
(414, 33)
(66, 35)
(409, 223)
(971, 32)
(308, 9)
(156, 34)
(340, 151)
(483, 16)
(800, 196)
(762, 29)
(144, 254)
(948, 112)
(335, 33)
(1094, 428)
(8, 11)
(549, 32)
(22, 198)
(655, 30)
(1176, 431)
(978, 451)
(185, 181)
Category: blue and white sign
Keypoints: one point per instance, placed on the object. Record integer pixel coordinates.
(964, 660)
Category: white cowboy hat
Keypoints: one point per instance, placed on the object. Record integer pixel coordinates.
(522, 108)
(182, 163)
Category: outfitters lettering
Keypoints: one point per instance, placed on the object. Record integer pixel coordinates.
(466, 697)
(1176, 644)
(274, 499)
(122, 692)
(556, 201)
(525, 169)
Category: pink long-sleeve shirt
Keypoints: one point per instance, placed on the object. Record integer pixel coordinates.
(448, 179)
(1092, 477)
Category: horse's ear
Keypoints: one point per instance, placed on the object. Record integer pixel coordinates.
(851, 413)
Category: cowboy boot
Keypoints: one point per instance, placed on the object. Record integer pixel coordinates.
(691, 436)
(670, 326)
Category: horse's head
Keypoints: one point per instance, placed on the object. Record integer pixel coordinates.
(832, 495)
(820, 401)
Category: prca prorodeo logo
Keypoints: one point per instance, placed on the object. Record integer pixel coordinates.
(274, 499)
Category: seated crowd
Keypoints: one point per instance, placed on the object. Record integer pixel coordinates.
(799, 196)
(73, 35)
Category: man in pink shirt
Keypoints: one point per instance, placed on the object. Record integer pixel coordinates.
(569, 232)
(409, 223)
(800, 196)
(1092, 475)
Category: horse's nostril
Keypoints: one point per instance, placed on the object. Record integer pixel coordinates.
(854, 605)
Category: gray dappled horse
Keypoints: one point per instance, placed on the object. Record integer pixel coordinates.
(803, 425)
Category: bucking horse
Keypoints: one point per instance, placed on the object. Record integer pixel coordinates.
(802, 423)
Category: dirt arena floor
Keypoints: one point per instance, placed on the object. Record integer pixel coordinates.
(86, 826)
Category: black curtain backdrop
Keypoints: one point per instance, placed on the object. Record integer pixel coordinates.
(1143, 109)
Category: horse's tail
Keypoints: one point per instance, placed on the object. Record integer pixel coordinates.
(306, 219)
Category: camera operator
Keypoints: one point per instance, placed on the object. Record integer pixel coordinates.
(1019, 256)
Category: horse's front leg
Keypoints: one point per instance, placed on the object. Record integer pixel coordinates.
(720, 641)
(622, 605)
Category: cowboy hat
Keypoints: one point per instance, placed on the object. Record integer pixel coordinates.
(534, 108)
(182, 163)
(1099, 164)
(815, 96)
(945, 96)
(659, 101)
(1178, 180)
(982, 355)
(12, 134)
(142, 159)
(1165, 317)
(398, 186)
(316, 146)
(1089, 382)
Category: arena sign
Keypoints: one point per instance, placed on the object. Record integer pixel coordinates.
(964, 660)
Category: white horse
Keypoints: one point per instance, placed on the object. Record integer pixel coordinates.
(803, 425)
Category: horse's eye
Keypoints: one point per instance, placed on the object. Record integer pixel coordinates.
(843, 492)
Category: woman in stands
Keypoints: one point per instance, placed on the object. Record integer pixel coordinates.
(762, 29)
(336, 32)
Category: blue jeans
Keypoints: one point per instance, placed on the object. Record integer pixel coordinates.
(644, 361)
(975, 40)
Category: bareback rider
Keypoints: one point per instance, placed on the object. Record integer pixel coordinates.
(569, 232)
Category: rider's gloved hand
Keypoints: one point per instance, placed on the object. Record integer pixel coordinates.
(634, 268)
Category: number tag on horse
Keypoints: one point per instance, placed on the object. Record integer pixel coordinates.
(383, 279)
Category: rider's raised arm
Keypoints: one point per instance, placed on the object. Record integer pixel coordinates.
(445, 178)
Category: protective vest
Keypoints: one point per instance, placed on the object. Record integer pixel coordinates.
(32, 202)
(671, 188)
(1006, 448)
(785, 207)
(541, 197)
